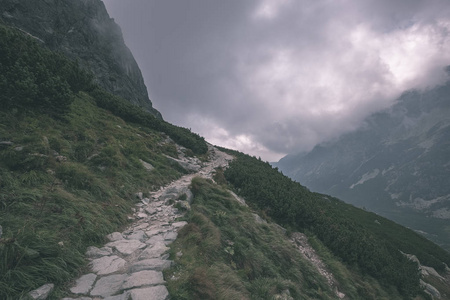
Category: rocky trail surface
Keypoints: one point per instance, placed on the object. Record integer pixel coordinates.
(130, 266)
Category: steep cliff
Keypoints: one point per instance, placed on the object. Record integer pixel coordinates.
(83, 31)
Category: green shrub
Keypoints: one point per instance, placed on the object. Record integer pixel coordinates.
(35, 78)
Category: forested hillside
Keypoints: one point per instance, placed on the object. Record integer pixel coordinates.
(363, 240)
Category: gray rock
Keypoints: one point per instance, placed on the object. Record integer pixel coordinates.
(141, 215)
(430, 289)
(156, 238)
(126, 247)
(143, 278)
(153, 232)
(137, 235)
(150, 210)
(141, 226)
(155, 264)
(43, 292)
(94, 252)
(154, 251)
(84, 284)
(139, 195)
(86, 34)
(6, 143)
(146, 165)
(180, 224)
(108, 286)
(431, 271)
(82, 298)
(123, 296)
(18, 149)
(170, 236)
(107, 264)
(258, 219)
(150, 293)
(115, 236)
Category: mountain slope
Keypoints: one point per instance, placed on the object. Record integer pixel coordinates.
(68, 168)
(72, 157)
(83, 31)
(397, 165)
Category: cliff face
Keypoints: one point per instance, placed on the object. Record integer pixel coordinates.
(83, 30)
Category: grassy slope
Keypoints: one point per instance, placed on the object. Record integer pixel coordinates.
(228, 255)
(69, 176)
(69, 163)
(51, 211)
(351, 234)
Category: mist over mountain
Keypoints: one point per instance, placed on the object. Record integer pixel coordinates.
(83, 31)
(397, 164)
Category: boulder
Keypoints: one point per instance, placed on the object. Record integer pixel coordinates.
(43, 292)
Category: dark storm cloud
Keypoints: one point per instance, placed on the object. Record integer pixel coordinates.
(278, 76)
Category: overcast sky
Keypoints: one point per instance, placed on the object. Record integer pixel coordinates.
(273, 77)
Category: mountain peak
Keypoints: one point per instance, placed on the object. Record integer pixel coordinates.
(84, 31)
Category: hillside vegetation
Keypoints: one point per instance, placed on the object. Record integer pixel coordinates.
(71, 160)
(68, 167)
(363, 240)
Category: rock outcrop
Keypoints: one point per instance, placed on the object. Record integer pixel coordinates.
(83, 31)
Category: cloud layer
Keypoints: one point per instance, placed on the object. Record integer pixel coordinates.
(279, 76)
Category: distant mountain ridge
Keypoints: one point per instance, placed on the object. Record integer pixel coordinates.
(397, 164)
(83, 31)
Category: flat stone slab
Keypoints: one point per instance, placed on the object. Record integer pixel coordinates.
(141, 226)
(107, 264)
(180, 224)
(94, 252)
(141, 215)
(170, 236)
(123, 296)
(151, 293)
(115, 236)
(155, 264)
(154, 251)
(153, 232)
(108, 285)
(84, 284)
(126, 247)
(82, 298)
(138, 235)
(143, 278)
(154, 239)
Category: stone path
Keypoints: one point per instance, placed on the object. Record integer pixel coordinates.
(130, 266)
